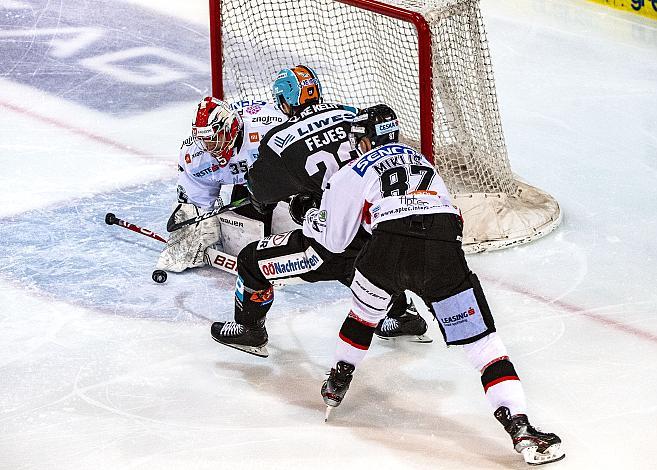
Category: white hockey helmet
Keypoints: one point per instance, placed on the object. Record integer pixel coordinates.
(217, 128)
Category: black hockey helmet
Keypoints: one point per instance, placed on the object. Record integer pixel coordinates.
(378, 123)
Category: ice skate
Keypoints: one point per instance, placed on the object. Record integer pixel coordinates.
(536, 447)
(335, 387)
(238, 336)
(409, 326)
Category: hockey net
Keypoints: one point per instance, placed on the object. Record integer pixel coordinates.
(428, 59)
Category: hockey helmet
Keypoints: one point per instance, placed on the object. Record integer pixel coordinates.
(378, 123)
(217, 128)
(297, 86)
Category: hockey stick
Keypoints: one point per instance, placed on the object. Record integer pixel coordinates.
(111, 219)
(172, 226)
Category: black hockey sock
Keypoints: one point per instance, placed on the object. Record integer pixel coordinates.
(357, 334)
(497, 372)
(252, 307)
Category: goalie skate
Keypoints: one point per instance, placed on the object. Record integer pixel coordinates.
(536, 447)
(238, 336)
(409, 326)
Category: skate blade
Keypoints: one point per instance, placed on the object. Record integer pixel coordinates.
(260, 351)
(551, 454)
(327, 413)
(408, 338)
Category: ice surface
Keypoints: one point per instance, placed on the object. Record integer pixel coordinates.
(101, 368)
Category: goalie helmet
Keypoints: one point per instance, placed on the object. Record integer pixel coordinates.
(297, 86)
(217, 128)
(378, 123)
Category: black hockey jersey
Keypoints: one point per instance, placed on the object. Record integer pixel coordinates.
(301, 154)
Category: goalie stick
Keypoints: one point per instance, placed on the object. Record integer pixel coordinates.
(215, 258)
(172, 226)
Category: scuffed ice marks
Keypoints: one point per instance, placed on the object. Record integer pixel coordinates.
(71, 254)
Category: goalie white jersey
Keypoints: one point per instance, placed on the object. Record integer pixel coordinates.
(201, 180)
(389, 182)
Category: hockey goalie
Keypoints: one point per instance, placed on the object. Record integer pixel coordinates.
(212, 167)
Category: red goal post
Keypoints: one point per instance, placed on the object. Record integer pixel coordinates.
(428, 59)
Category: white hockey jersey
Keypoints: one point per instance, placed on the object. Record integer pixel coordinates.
(389, 182)
(201, 179)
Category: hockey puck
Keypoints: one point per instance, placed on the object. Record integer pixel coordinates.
(110, 218)
(159, 276)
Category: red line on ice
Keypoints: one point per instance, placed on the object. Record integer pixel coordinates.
(601, 319)
(77, 130)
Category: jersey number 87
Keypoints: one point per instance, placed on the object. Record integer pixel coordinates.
(396, 181)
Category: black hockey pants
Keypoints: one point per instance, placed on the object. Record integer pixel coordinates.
(423, 254)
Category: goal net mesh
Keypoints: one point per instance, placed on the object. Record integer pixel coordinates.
(364, 58)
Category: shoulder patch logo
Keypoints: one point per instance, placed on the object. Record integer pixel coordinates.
(282, 142)
(254, 137)
(188, 159)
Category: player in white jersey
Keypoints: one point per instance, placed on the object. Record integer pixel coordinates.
(212, 165)
(395, 193)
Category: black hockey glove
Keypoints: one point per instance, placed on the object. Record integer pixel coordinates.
(260, 207)
(300, 204)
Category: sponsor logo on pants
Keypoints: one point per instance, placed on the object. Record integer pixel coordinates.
(290, 265)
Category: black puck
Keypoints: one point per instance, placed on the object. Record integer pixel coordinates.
(110, 218)
(159, 276)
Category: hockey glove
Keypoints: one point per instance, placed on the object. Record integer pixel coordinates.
(261, 207)
(300, 204)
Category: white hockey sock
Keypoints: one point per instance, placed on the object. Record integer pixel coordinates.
(508, 393)
(498, 376)
(355, 338)
(344, 351)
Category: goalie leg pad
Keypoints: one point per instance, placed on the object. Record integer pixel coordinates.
(465, 316)
(237, 231)
(186, 247)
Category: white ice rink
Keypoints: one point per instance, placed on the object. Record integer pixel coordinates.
(100, 368)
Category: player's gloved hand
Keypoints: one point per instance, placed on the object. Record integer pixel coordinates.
(300, 204)
(182, 194)
(261, 207)
(217, 203)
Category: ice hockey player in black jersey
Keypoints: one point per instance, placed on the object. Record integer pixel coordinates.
(296, 159)
(393, 192)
